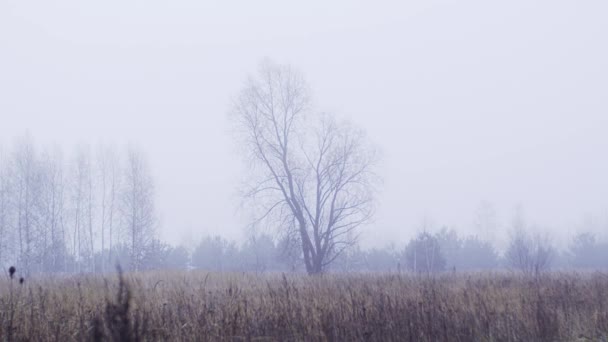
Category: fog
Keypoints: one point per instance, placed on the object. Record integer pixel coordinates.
(469, 102)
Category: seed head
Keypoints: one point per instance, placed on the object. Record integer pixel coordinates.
(11, 271)
(21, 280)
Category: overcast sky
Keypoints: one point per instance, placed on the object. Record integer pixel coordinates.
(469, 101)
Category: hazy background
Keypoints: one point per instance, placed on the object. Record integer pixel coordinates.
(469, 101)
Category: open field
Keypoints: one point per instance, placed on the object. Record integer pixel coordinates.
(243, 307)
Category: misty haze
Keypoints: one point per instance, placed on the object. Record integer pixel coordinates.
(343, 171)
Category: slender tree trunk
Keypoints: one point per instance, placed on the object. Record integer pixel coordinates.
(111, 214)
(103, 219)
(90, 215)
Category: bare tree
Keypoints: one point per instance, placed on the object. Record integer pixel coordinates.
(312, 176)
(52, 210)
(5, 209)
(90, 208)
(485, 221)
(108, 168)
(528, 253)
(81, 209)
(423, 254)
(138, 207)
(26, 184)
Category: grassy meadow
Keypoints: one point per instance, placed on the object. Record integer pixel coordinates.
(198, 306)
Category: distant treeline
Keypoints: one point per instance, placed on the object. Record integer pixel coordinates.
(86, 212)
(444, 251)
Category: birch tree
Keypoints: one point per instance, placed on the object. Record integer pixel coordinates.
(109, 178)
(52, 211)
(26, 185)
(5, 209)
(137, 207)
(81, 210)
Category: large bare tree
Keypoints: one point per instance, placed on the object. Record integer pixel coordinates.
(312, 176)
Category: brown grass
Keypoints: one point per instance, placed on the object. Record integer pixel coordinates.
(193, 306)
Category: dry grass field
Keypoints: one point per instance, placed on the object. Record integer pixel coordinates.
(190, 306)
